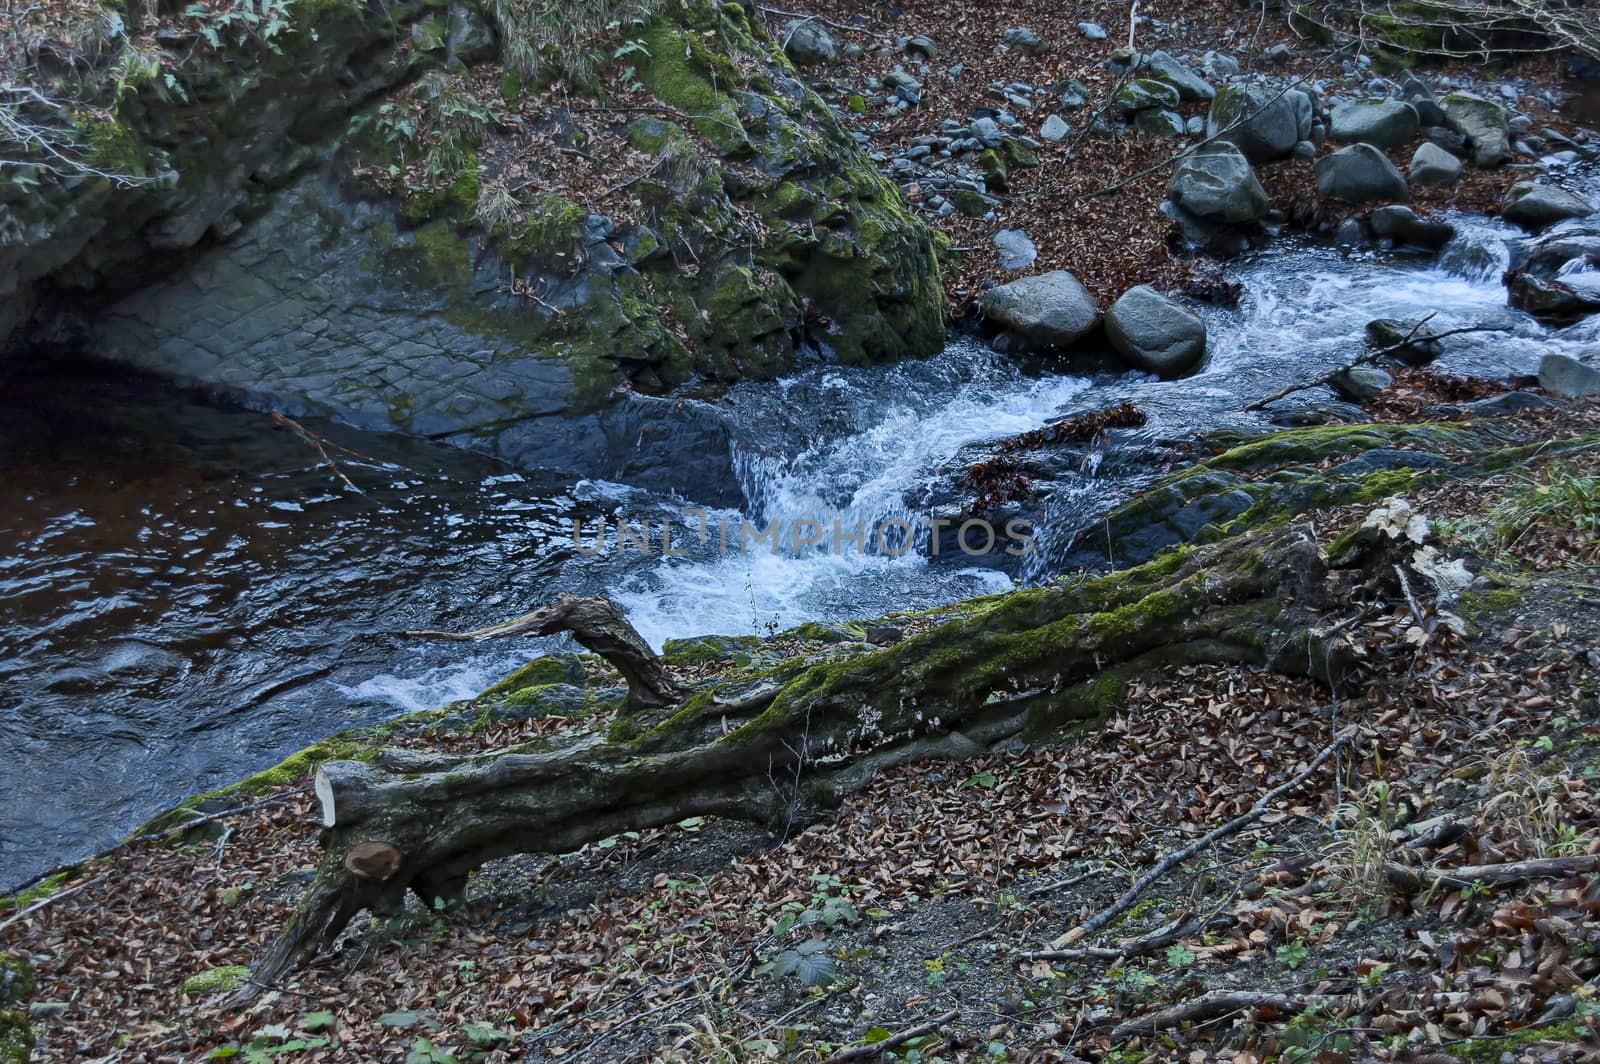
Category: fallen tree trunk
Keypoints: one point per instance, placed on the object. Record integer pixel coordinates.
(780, 745)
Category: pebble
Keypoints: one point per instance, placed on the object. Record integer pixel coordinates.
(1280, 53)
(1220, 64)
(1195, 126)
(1091, 31)
(987, 131)
(1055, 129)
(1510, 92)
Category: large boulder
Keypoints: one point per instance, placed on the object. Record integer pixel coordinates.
(807, 43)
(1432, 165)
(1360, 383)
(1145, 94)
(1046, 311)
(1155, 333)
(1535, 206)
(1217, 186)
(1359, 174)
(1024, 40)
(1483, 122)
(1191, 86)
(1263, 123)
(1384, 123)
(1566, 376)
(1557, 275)
(1403, 226)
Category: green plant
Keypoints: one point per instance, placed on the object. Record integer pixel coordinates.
(826, 907)
(425, 1052)
(1179, 957)
(1559, 497)
(810, 962)
(1292, 954)
(1361, 853)
(259, 22)
(541, 42)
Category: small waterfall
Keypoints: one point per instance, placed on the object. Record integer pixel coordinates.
(1480, 252)
(865, 450)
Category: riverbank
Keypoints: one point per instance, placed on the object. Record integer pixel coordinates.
(933, 885)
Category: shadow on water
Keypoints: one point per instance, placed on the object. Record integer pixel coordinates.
(187, 593)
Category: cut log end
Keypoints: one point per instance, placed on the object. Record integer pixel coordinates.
(324, 789)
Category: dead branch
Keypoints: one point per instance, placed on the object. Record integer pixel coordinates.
(894, 1041)
(1513, 872)
(825, 22)
(1233, 827)
(831, 723)
(598, 625)
(48, 901)
(1212, 1005)
(1369, 357)
(315, 441)
(1159, 939)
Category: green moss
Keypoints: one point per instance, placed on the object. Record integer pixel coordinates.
(1492, 1049)
(1496, 602)
(550, 669)
(703, 650)
(652, 134)
(110, 146)
(16, 1038)
(550, 235)
(993, 166)
(346, 746)
(215, 980)
(684, 71)
(38, 892)
(17, 979)
(1318, 442)
(457, 200)
(1018, 154)
(441, 256)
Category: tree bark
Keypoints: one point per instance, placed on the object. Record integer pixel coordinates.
(780, 746)
(599, 626)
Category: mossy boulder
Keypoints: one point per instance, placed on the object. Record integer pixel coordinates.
(550, 669)
(459, 307)
(709, 649)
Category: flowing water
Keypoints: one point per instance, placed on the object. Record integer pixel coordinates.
(188, 593)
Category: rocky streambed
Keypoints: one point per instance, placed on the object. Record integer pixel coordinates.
(711, 302)
(193, 592)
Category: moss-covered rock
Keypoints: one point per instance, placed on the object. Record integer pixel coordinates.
(1265, 481)
(476, 307)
